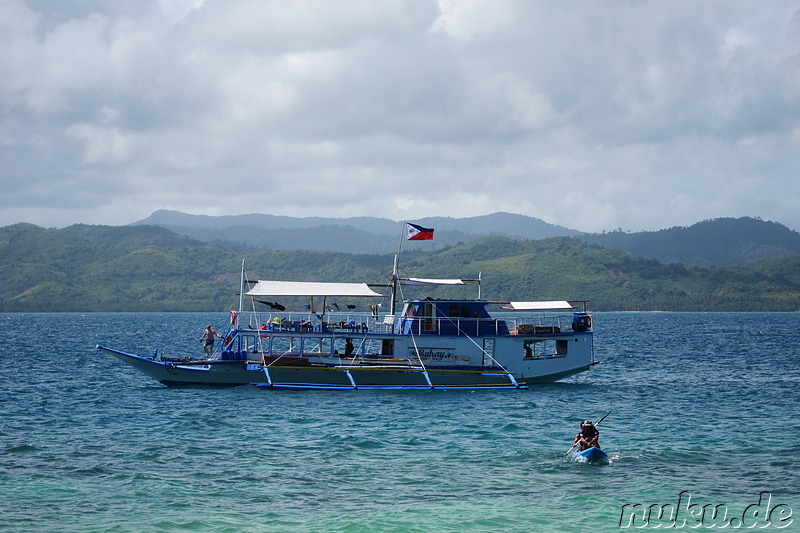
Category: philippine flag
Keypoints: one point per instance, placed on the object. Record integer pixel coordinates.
(418, 233)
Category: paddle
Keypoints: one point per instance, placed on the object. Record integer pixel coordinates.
(598, 423)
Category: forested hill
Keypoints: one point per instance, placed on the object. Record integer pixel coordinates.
(722, 241)
(719, 242)
(143, 268)
(255, 232)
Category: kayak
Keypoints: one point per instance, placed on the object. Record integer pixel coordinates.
(592, 455)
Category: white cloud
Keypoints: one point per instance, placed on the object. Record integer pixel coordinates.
(101, 145)
(472, 19)
(593, 116)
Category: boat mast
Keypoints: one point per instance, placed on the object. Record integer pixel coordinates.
(241, 294)
(394, 277)
(393, 281)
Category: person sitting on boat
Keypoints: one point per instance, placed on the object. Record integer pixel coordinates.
(209, 335)
(348, 347)
(589, 437)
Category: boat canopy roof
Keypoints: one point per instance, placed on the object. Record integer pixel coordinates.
(430, 281)
(539, 306)
(310, 288)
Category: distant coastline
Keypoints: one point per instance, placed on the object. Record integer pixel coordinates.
(151, 269)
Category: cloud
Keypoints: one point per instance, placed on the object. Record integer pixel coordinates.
(639, 115)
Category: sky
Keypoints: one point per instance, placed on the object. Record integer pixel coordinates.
(633, 115)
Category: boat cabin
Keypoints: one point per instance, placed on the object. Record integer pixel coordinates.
(448, 317)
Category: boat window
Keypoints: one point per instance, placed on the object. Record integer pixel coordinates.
(317, 345)
(285, 345)
(266, 345)
(561, 347)
(453, 310)
(249, 343)
(429, 317)
(371, 347)
(545, 348)
(387, 347)
(528, 349)
(345, 346)
(466, 312)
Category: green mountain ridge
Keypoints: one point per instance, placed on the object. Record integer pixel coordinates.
(144, 268)
(717, 242)
(721, 241)
(253, 232)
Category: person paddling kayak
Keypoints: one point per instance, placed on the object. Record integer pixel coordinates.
(589, 437)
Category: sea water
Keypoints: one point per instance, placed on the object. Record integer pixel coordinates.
(703, 406)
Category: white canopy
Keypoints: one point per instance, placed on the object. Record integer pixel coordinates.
(538, 306)
(310, 288)
(428, 281)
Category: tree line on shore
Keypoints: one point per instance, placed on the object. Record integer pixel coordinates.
(146, 268)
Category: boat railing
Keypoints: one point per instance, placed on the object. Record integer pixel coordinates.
(310, 322)
(507, 325)
(362, 323)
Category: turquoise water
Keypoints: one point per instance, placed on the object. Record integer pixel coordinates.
(705, 404)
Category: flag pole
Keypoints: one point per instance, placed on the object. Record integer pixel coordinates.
(400, 246)
(394, 276)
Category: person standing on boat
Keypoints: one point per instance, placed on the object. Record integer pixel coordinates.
(589, 437)
(209, 335)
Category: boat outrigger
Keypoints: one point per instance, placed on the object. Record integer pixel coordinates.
(430, 344)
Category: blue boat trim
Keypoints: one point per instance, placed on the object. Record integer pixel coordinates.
(317, 386)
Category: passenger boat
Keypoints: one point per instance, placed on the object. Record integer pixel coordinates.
(429, 344)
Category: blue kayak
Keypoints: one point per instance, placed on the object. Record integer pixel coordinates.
(592, 455)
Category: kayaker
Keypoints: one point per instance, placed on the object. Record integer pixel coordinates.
(588, 437)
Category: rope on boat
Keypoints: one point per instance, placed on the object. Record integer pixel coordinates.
(358, 350)
(414, 342)
(419, 358)
(458, 326)
(485, 353)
